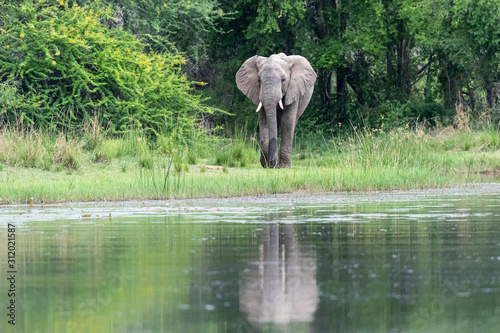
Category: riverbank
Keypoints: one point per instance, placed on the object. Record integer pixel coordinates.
(364, 161)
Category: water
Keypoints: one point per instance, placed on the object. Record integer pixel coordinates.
(420, 261)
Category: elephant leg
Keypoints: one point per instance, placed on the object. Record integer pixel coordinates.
(287, 124)
(285, 160)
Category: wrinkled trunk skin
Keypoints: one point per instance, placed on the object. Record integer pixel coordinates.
(272, 127)
(270, 96)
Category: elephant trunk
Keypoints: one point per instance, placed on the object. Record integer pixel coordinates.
(272, 126)
(273, 133)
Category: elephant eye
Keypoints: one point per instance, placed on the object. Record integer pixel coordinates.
(283, 80)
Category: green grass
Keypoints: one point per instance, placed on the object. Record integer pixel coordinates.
(368, 160)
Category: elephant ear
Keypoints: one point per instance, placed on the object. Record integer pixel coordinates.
(247, 78)
(302, 78)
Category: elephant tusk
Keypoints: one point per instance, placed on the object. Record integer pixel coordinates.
(281, 105)
(259, 107)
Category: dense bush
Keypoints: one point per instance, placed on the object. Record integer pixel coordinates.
(68, 67)
(393, 114)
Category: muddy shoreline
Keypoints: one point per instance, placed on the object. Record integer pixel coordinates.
(491, 188)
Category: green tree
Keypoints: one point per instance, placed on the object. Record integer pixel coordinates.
(68, 67)
(184, 23)
(414, 58)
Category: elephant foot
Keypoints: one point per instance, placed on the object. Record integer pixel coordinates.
(285, 162)
(263, 161)
(268, 164)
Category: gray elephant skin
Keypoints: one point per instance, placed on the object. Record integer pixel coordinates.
(282, 87)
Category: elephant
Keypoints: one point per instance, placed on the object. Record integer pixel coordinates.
(282, 87)
(280, 287)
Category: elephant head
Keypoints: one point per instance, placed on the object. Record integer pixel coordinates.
(282, 87)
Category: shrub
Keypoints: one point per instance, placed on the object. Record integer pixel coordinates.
(10, 99)
(393, 114)
(69, 65)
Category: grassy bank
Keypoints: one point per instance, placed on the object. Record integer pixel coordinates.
(39, 167)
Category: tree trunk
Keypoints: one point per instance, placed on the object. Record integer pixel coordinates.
(324, 91)
(403, 71)
(342, 94)
(398, 66)
(471, 103)
(449, 77)
(358, 75)
(428, 80)
(491, 95)
(391, 76)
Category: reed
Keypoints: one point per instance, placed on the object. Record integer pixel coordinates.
(364, 160)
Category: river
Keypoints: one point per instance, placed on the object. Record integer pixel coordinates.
(399, 261)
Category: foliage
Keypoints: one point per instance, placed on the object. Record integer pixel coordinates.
(183, 23)
(64, 63)
(69, 67)
(394, 114)
(9, 98)
(419, 58)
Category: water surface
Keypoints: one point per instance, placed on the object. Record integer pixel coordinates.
(419, 261)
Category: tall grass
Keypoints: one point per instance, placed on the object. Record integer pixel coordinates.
(31, 148)
(134, 167)
(442, 151)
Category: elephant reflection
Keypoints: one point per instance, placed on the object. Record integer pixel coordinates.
(281, 287)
